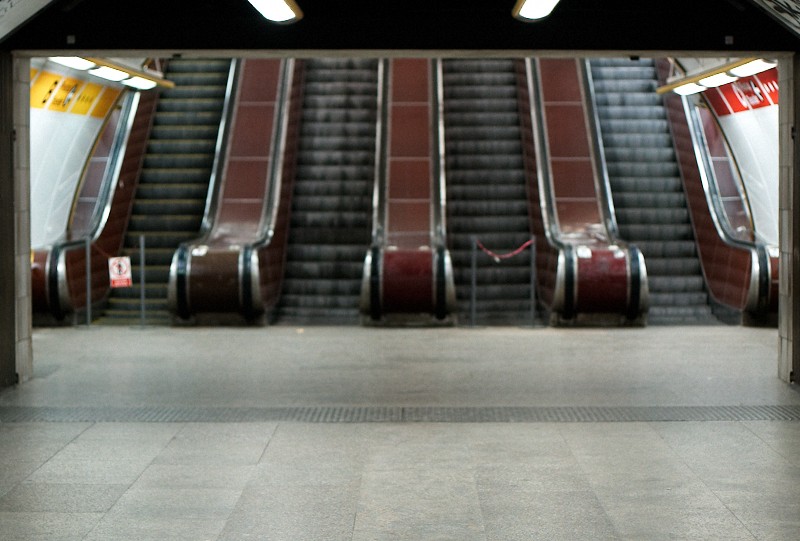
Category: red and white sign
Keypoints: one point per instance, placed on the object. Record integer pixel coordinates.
(746, 94)
(119, 271)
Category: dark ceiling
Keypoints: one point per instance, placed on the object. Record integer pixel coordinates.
(596, 25)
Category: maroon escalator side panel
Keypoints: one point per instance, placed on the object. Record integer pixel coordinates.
(272, 255)
(236, 266)
(726, 268)
(214, 274)
(582, 271)
(546, 253)
(408, 284)
(59, 294)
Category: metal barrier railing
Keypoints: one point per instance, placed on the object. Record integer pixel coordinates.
(478, 245)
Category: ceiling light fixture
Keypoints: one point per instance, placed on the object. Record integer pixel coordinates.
(110, 74)
(718, 76)
(73, 62)
(140, 83)
(751, 68)
(279, 11)
(533, 10)
(718, 79)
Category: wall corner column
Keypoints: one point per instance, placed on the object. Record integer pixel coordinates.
(789, 218)
(16, 352)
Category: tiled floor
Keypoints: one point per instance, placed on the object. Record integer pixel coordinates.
(281, 480)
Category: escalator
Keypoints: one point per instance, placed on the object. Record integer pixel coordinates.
(170, 200)
(330, 228)
(647, 190)
(486, 195)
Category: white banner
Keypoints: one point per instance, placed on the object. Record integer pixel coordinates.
(15, 12)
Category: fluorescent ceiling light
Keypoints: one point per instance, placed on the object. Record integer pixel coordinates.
(109, 73)
(751, 68)
(688, 89)
(718, 79)
(139, 82)
(73, 62)
(531, 10)
(279, 11)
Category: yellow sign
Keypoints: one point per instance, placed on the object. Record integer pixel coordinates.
(105, 102)
(65, 95)
(43, 88)
(86, 98)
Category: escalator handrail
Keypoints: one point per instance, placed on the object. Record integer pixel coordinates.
(58, 290)
(220, 151)
(543, 169)
(439, 180)
(598, 150)
(760, 273)
(249, 268)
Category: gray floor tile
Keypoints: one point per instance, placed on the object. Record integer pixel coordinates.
(177, 503)
(529, 513)
(18, 526)
(126, 528)
(61, 498)
(227, 476)
(434, 503)
(97, 472)
(290, 513)
(218, 443)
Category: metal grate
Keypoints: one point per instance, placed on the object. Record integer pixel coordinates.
(399, 414)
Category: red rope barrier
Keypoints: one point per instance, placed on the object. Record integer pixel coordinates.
(498, 257)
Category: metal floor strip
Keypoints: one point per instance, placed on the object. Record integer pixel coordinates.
(399, 414)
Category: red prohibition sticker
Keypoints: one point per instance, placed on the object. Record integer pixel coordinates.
(119, 272)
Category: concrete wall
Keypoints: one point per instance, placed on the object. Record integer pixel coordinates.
(789, 76)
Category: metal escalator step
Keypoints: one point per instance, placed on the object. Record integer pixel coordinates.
(164, 222)
(485, 161)
(486, 224)
(499, 146)
(153, 273)
(322, 158)
(332, 203)
(483, 187)
(324, 269)
(169, 206)
(677, 248)
(153, 256)
(638, 232)
(171, 132)
(649, 126)
(200, 78)
(454, 81)
(697, 298)
(649, 199)
(332, 187)
(195, 92)
(675, 284)
(318, 300)
(643, 169)
(187, 118)
(327, 235)
(357, 120)
(182, 161)
(639, 154)
(333, 172)
(628, 112)
(340, 143)
(336, 219)
(327, 252)
(151, 291)
(322, 286)
(175, 175)
(193, 65)
(624, 72)
(628, 99)
(472, 92)
(156, 239)
(339, 102)
(177, 190)
(492, 207)
(486, 128)
(655, 216)
(341, 88)
(180, 146)
(633, 184)
(175, 105)
(624, 85)
(673, 266)
(635, 140)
